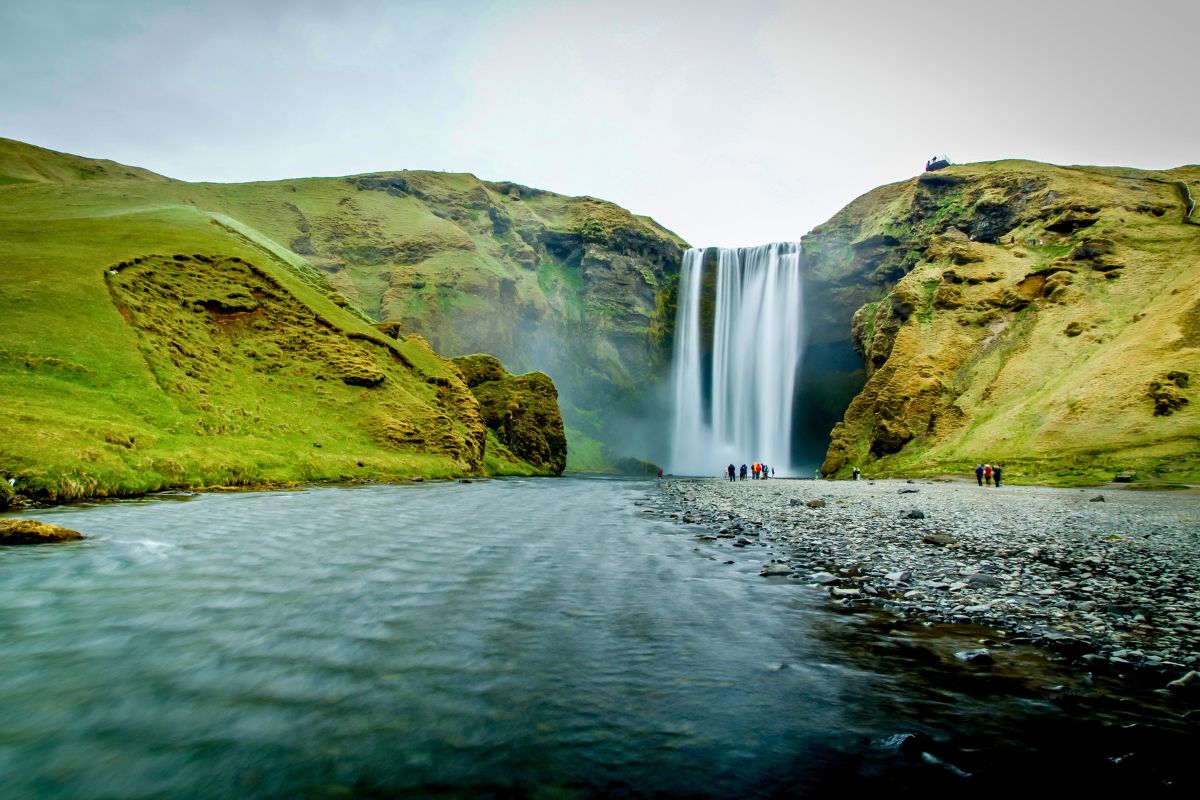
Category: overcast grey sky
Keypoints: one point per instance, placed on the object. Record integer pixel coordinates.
(732, 123)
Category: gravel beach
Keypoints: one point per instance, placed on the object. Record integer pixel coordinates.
(1113, 583)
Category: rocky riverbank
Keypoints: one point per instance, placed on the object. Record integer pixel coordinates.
(1110, 579)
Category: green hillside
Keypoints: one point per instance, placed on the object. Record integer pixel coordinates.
(1045, 317)
(575, 287)
(152, 339)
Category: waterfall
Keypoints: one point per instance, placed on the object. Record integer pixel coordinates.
(733, 396)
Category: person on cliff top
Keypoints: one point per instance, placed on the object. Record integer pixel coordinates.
(979, 473)
(996, 474)
(744, 470)
(987, 474)
(729, 471)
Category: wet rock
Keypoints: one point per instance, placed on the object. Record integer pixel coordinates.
(913, 514)
(908, 491)
(815, 503)
(1190, 682)
(983, 580)
(28, 531)
(770, 570)
(980, 656)
(899, 576)
(1097, 499)
(843, 593)
(823, 578)
(939, 539)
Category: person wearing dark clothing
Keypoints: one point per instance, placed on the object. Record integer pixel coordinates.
(996, 473)
(729, 471)
(743, 472)
(979, 473)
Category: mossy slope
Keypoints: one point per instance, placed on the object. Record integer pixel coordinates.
(151, 342)
(1044, 317)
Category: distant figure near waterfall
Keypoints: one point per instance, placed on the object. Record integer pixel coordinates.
(979, 473)
(996, 474)
(987, 474)
(729, 471)
(744, 472)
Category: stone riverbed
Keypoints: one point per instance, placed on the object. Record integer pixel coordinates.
(1112, 583)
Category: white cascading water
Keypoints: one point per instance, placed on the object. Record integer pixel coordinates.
(744, 413)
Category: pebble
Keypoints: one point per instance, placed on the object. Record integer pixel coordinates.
(1044, 564)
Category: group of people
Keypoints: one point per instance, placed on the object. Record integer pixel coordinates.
(987, 473)
(756, 471)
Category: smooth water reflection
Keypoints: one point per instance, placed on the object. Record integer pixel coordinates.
(507, 637)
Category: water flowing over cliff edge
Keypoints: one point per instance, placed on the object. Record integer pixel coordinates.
(738, 345)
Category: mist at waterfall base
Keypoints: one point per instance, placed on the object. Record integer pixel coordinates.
(739, 346)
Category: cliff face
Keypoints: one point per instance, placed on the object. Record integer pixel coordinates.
(575, 287)
(1044, 317)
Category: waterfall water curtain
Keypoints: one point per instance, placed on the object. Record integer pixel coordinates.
(734, 374)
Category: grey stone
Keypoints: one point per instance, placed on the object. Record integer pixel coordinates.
(980, 656)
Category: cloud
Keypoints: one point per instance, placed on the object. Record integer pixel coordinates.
(730, 123)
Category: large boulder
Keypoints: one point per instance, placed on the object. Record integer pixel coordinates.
(29, 531)
(522, 410)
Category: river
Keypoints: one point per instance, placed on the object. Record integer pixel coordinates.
(542, 638)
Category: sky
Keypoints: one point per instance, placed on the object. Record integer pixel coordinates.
(731, 123)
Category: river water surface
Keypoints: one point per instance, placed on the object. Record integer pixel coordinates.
(544, 638)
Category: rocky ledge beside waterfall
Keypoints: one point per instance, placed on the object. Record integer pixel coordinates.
(1109, 578)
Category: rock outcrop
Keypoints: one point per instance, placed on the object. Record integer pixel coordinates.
(28, 531)
(521, 411)
(1020, 312)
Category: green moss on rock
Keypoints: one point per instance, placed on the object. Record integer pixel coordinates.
(522, 411)
(28, 531)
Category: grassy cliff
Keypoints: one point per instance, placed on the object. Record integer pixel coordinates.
(1044, 317)
(154, 339)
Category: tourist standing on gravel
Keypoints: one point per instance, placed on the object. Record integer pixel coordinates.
(987, 474)
(743, 472)
(729, 471)
(996, 474)
(979, 473)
